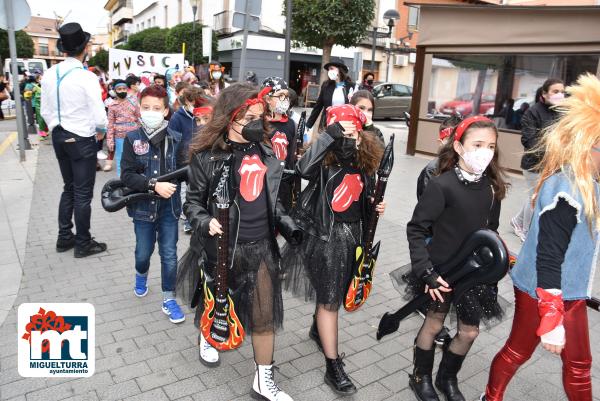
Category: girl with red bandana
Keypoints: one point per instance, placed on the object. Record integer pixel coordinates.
(554, 271)
(463, 198)
(340, 166)
(235, 139)
(283, 133)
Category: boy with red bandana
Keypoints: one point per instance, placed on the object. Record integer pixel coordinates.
(235, 138)
(340, 166)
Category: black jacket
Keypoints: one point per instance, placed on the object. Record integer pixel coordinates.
(205, 170)
(313, 213)
(324, 99)
(535, 119)
(425, 176)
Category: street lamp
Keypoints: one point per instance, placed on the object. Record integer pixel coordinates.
(390, 16)
(194, 4)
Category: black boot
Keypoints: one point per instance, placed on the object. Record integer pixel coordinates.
(314, 334)
(420, 381)
(337, 378)
(446, 381)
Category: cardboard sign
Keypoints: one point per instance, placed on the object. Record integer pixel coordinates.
(124, 62)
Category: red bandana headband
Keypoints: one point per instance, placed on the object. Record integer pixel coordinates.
(445, 133)
(466, 123)
(346, 112)
(259, 99)
(201, 111)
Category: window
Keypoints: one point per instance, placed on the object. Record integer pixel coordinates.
(460, 81)
(142, 26)
(401, 90)
(43, 49)
(413, 18)
(166, 16)
(179, 11)
(154, 21)
(149, 23)
(137, 27)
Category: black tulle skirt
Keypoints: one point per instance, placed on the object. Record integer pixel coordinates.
(480, 304)
(321, 270)
(254, 281)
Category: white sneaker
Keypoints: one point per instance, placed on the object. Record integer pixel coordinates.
(264, 387)
(209, 356)
(518, 230)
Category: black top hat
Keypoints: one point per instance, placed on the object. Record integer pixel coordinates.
(337, 62)
(73, 39)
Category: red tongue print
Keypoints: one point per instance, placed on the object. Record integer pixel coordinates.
(280, 144)
(252, 172)
(347, 192)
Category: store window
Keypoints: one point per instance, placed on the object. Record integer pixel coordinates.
(464, 83)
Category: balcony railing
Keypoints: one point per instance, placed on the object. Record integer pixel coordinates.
(222, 22)
(123, 15)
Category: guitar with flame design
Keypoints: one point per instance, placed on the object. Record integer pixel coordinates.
(219, 323)
(365, 254)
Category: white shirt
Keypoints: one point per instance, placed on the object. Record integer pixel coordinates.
(338, 97)
(81, 108)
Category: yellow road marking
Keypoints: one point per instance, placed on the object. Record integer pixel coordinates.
(6, 143)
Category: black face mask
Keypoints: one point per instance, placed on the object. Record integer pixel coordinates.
(369, 81)
(253, 131)
(346, 149)
(122, 95)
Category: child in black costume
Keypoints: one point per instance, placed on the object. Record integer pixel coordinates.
(340, 166)
(463, 198)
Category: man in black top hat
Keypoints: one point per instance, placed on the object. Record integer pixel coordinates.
(73, 109)
(335, 91)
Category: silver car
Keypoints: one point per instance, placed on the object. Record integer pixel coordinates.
(391, 100)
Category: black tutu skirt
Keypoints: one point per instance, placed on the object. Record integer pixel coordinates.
(322, 270)
(480, 304)
(254, 281)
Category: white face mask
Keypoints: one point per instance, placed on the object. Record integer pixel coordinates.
(282, 106)
(152, 119)
(332, 74)
(557, 98)
(477, 160)
(216, 75)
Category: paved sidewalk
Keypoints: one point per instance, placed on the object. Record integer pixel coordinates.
(16, 189)
(140, 355)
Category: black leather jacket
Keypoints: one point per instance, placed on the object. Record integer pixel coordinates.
(313, 213)
(205, 170)
(535, 119)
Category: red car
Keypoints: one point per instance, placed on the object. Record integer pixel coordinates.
(463, 104)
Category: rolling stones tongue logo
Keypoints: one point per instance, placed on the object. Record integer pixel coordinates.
(347, 192)
(252, 173)
(280, 144)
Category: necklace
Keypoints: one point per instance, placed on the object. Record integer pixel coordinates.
(461, 176)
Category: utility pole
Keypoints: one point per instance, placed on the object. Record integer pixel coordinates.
(241, 77)
(288, 38)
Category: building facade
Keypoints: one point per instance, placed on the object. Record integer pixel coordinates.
(44, 34)
(120, 20)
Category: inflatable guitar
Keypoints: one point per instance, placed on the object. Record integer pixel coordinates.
(297, 183)
(482, 259)
(365, 254)
(219, 323)
(115, 195)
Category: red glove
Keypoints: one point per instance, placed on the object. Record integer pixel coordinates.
(551, 309)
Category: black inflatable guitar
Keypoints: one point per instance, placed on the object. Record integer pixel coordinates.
(219, 323)
(115, 195)
(482, 259)
(297, 183)
(365, 254)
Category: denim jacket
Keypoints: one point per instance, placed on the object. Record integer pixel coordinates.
(148, 160)
(581, 257)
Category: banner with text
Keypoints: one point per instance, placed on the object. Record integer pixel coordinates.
(124, 62)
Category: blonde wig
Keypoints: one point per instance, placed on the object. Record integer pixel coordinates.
(568, 143)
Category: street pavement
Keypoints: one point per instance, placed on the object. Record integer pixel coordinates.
(140, 355)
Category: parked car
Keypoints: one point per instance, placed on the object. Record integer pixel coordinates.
(518, 103)
(391, 100)
(463, 104)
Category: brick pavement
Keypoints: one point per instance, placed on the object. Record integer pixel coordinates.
(142, 356)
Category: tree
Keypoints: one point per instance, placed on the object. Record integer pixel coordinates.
(23, 42)
(322, 24)
(150, 40)
(100, 60)
(185, 33)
